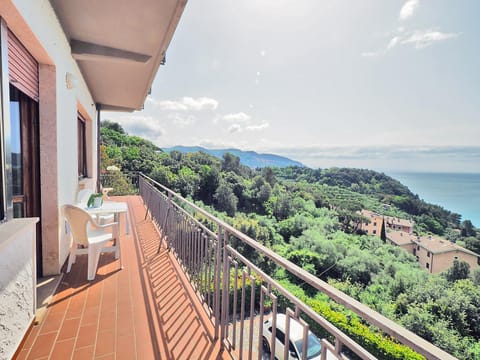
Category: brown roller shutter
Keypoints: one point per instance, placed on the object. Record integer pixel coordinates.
(22, 68)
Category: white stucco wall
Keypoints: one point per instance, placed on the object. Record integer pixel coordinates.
(17, 283)
(37, 27)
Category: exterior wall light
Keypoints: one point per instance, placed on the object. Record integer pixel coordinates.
(70, 81)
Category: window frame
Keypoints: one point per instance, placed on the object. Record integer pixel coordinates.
(82, 146)
(6, 203)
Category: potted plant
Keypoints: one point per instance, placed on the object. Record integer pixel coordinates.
(95, 200)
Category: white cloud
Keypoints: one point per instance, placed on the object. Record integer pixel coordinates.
(234, 128)
(408, 9)
(188, 103)
(201, 103)
(143, 126)
(419, 38)
(257, 127)
(424, 38)
(237, 117)
(172, 105)
(263, 52)
(393, 42)
(181, 120)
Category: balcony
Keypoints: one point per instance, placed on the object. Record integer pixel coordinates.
(144, 311)
(189, 291)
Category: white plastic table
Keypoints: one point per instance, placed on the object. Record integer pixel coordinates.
(112, 207)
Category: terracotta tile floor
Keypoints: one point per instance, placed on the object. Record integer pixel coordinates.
(145, 311)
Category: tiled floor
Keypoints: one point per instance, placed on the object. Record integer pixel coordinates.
(145, 311)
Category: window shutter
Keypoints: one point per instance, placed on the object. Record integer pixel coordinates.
(22, 68)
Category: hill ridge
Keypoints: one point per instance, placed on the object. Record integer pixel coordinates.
(249, 158)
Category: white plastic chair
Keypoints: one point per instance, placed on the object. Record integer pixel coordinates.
(87, 232)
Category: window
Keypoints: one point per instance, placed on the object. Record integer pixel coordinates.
(82, 148)
(280, 336)
(374, 232)
(455, 257)
(374, 224)
(418, 247)
(427, 265)
(428, 254)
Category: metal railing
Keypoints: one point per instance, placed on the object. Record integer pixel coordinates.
(236, 291)
(122, 183)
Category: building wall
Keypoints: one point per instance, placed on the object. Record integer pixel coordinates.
(408, 247)
(36, 26)
(444, 261)
(374, 227)
(17, 283)
(438, 262)
(424, 257)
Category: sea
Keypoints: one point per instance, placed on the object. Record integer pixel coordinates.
(457, 192)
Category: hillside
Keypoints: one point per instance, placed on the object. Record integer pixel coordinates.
(308, 216)
(251, 159)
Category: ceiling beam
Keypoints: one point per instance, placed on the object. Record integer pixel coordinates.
(82, 50)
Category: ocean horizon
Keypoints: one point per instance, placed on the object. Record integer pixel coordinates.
(457, 192)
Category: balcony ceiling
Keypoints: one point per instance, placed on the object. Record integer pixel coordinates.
(119, 45)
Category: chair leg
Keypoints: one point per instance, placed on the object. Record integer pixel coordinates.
(118, 249)
(93, 258)
(118, 252)
(71, 257)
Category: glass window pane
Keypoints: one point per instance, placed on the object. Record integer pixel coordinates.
(16, 145)
(18, 210)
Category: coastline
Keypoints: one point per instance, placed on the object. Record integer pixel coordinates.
(456, 192)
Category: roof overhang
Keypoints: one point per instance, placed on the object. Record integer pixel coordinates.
(119, 45)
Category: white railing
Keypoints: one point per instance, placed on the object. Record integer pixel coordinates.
(236, 291)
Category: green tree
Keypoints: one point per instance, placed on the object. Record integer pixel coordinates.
(383, 234)
(468, 229)
(208, 183)
(459, 270)
(225, 199)
(187, 181)
(269, 175)
(231, 163)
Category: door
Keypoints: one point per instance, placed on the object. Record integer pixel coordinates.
(25, 148)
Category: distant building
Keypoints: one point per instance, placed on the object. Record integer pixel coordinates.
(374, 227)
(399, 224)
(433, 253)
(402, 239)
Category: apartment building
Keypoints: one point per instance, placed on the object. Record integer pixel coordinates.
(374, 227)
(434, 254)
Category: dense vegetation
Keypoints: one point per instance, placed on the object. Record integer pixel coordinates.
(310, 217)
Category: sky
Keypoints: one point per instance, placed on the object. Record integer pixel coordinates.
(384, 85)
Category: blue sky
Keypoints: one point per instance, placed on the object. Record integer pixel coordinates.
(386, 85)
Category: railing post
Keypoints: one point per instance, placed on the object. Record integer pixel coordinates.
(217, 280)
(225, 289)
(166, 228)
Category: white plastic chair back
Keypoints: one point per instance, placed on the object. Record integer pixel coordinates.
(83, 196)
(78, 220)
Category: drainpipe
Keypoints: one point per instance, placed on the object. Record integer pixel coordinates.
(99, 138)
